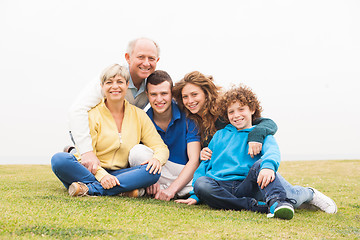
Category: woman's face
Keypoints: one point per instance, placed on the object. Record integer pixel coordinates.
(115, 88)
(193, 98)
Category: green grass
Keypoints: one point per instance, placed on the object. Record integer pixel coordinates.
(35, 205)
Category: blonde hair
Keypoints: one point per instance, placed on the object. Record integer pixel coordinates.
(205, 122)
(114, 70)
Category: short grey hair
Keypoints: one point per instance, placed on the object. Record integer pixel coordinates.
(112, 71)
(132, 44)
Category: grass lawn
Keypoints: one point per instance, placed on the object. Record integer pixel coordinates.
(35, 205)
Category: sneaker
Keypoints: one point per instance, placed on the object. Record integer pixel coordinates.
(323, 202)
(281, 209)
(78, 189)
(134, 193)
(69, 149)
(259, 206)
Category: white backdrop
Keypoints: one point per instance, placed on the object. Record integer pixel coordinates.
(300, 57)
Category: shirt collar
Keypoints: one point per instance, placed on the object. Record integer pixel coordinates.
(175, 111)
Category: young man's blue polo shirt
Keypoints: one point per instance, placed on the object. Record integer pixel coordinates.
(179, 133)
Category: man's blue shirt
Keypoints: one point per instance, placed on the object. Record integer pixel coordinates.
(134, 90)
(179, 133)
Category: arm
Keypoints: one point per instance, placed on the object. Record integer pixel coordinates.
(270, 154)
(79, 124)
(193, 151)
(201, 171)
(263, 128)
(270, 162)
(151, 138)
(106, 180)
(78, 116)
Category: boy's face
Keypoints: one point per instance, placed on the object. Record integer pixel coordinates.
(160, 97)
(240, 116)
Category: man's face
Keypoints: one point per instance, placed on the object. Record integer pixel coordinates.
(143, 59)
(160, 97)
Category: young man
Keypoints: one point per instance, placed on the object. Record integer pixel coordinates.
(179, 133)
(231, 179)
(142, 56)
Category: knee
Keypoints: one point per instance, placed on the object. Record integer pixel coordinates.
(58, 161)
(139, 154)
(257, 165)
(151, 176)
(202, 185)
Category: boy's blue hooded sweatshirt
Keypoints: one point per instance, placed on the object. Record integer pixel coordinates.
(230, 159)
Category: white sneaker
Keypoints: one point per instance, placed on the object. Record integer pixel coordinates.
(323, 202)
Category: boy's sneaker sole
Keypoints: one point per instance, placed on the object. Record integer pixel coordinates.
(284, 211)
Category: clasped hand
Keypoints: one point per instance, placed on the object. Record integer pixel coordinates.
(109, 181)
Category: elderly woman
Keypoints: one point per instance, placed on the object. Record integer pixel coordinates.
(116, 127)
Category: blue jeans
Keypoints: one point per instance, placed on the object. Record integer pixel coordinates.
(237, 195)
(297, 193)
(68, 169)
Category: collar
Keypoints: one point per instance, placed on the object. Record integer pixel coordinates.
(231, 128)
(142, 86)
(175, 114)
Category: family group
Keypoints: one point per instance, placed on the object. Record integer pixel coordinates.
(137, 133)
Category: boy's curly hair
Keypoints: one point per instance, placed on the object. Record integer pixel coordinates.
(245, 96)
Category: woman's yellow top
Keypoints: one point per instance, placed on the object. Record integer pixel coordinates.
(111, 147)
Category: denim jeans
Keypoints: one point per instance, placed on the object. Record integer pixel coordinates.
(68, 169)
(237, 195)
(297, 193)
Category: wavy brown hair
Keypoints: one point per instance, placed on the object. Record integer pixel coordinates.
(205, 122)
(245, 96)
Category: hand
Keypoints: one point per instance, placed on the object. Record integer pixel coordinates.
(90, 161)
(164, 195)
(254, 148)
(153, 189)
(109, 181)
(205, 154)
(265, 177)
(189, 201)
(153, 166)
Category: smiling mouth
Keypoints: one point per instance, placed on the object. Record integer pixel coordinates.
(160, 105)
(238, 120)
(192, 106)
(144, 69)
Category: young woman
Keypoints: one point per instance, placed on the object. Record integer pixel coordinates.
(116, 127)
(198, 96)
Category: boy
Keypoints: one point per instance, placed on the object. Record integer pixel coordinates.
(231, 179)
